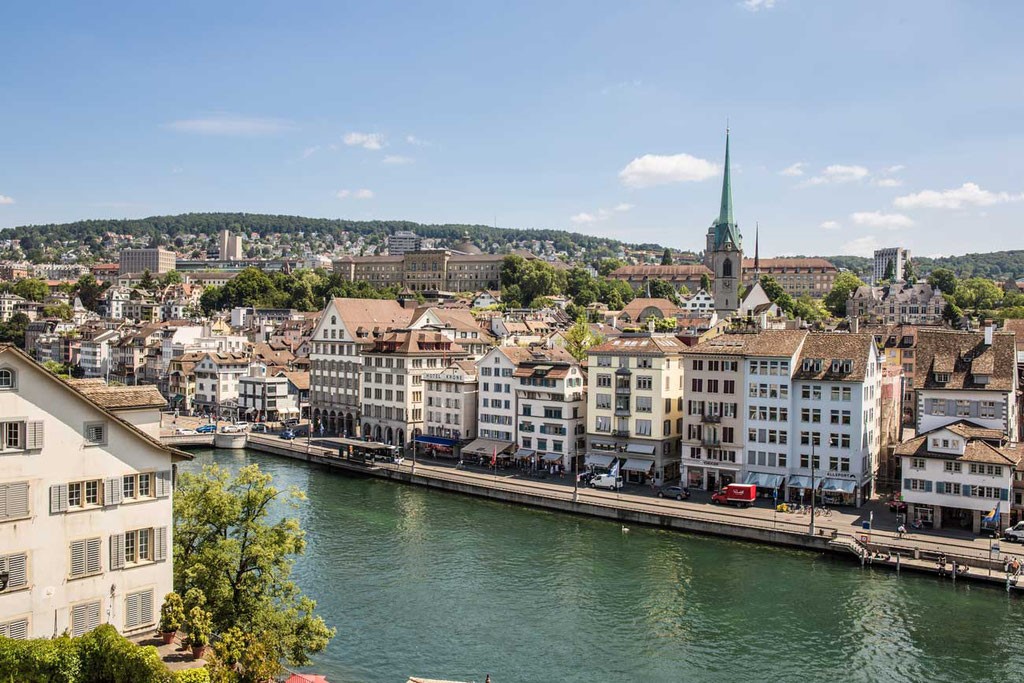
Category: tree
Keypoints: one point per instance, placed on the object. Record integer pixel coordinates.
(776, 294)
(666, 324)
(666, 257)
(90, 291)
(579, 338)
(890, 271)
(660, 289)
(608, 266)
(32, 289)
(13, 331)
(705, 282)
(952, 313)
(944, 280)
(61, 310)
(226, 547)
(909, 274)
(148, 282)
(808, 309)
(171, 277)
(512, 268)
(977, 293)
(844, 285)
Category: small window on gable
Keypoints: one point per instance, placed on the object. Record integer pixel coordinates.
(95, 433)
(8, 378)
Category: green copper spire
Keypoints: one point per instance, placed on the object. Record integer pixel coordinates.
(727, 234)
(725, 214)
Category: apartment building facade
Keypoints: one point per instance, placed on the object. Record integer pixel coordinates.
(551, 410)
(450, 401)
(136, 261)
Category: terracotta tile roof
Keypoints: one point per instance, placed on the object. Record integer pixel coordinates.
(371, 314)
(416, 342)
(829, 346)
(640, 345)
(299, 379)
(662, 272)
(964, 355)
(975, 450)
(119, 397)
(767, 343)
(637, 306)
(523, 354)
(969, 430)
(771, 264)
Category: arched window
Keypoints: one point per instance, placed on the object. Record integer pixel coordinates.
(727, 268)
(7, 378)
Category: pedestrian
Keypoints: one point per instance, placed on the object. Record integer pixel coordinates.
(901, 530)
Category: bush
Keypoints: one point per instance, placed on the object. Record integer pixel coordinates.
(192, 676)
(39, 661)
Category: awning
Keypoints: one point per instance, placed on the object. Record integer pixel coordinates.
(839, 485)
(599, 460)
(764, 479)
(523, 453)
(552, 457)
(638, 465)
(435, 440)
(486, 446)
(640, 448)
(800, 482)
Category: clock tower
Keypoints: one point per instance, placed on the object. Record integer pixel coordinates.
(726, 251)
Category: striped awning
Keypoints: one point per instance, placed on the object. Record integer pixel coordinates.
(599, 460)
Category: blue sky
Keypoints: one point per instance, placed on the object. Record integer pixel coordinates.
(854, 125)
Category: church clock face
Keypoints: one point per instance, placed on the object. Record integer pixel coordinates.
(726, 285)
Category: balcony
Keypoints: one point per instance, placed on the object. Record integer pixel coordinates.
(711, 440)
(623, 390)
(621, 432)
(711, 419)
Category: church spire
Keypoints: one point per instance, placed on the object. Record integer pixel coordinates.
(757, 252)
(725, 214)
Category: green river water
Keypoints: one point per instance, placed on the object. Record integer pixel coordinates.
(425, 583)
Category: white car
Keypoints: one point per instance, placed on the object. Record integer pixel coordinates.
(231, 429)
(242, 426)
(606, 481)
(1015, 532)
(181, 431)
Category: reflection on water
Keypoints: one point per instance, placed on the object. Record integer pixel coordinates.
(443, 586)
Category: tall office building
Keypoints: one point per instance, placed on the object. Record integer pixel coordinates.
(157, 261)
(229, 246)
(403, 241)
(897, 256)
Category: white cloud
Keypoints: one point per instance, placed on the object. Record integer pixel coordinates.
(895, 169)
(757, 5)
(623, 207)
(862, 246)
(417, 142)
(310, 151)
(830, 225)
(4, 199)
(655, 169)
(838, 173)
(877, 219)
(354, 194)
(968, 194)
(396, 160)
(226, 124)
(584, 217)
(600, 215)
(888, 182)
(796, 169)
(364, 140)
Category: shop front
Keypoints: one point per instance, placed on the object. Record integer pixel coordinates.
(435, 446)
(798, 489)
(768, 484)
(638, 470)
(836, 491)
(599, 461)
(552, 462)
(695, 477)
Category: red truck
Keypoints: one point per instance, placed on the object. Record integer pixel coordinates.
(741, 495)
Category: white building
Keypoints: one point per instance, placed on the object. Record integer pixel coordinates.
(552, 410)
(699, 303)
(218, 376)
(896, 256)
(8, 302)
(95, 354)
(262, 398)
(497, 408)
(86, 514)
(403, 241)
(336, 362)
(115, 299)
(966, 375)
(450, 402)
(955, 475)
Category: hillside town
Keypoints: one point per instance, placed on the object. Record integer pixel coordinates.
(710, 374)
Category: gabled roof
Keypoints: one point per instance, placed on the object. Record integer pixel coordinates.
(766, 343)
(830, 346)
(635, 308)
(640, 345)
(119, 397)
(368, 315)
(975, 449)
(964, 356)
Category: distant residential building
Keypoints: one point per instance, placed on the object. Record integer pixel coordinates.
(86, 526)
(917, 304)
(14, 271)
(9, 303)
(426, 270)
(59, 271)
(635, 406)
(895, 258)
(156, 260)
(229, 246)
(458, 324)
(551, 413)
(403, 241)
(218, 376)
(265, 398)
(95, 354)
(450, 402)
(699, 303)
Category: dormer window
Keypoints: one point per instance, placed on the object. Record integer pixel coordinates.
(981, 379)
(942, 377)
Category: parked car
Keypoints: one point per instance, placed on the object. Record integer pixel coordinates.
(206, 429)
(606, 481)
(181, 431)
(242, 425)
(674, 491)
(259, 428)
(1015, 533)
(740, 495)
(231, 429)
(288, 434)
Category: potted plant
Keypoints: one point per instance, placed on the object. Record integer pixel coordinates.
(172, 616)
(200, 623)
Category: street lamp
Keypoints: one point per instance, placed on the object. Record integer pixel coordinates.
(812, 482)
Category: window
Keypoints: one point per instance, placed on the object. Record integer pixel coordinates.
(85, 557)
(644, 382)
(17, 629)
(14, 500)
(84, 618)
(8, 379)
(16, 566)
(95, 433)
(643, 404)
(603, 423)
(954, 467)
(643, 427)
(11, 435)
(604, 380)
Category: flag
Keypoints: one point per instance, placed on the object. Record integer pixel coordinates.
(993, 515)
(494, 457)
(615, 469)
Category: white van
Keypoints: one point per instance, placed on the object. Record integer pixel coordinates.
(606, 481)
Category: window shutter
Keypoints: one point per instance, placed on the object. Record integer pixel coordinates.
(160, 544)
(92, 555)
(940, 487)
(927, 486)
(85, 618)
(14, 500)
(34, 435)
(59, 498)
(15, 629)
(117, 551)
(17, 568)
(966, 489)
(1004, 494)
(906, 484)
(146, 607)
(163, 483)
(112, 491)
(77, 558)
(131, 610)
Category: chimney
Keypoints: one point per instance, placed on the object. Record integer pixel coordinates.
(650, 325)
(855, 324)
(990, 329)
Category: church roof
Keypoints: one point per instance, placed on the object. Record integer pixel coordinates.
(726, 231)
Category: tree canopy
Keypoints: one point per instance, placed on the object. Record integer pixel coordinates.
(844, 285)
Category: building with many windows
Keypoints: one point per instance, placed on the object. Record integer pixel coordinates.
(450, 397)
(917, 304)
(891, 262)
(391, 409)
(551, 410)
(85, 504)
(157, 261)
(403, 241)
(635, 405)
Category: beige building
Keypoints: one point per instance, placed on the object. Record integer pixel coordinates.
(157, 261)
(635, 406)
(426, 270)
(450, 397)
(85, 504)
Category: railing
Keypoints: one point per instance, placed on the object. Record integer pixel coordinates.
(622, 390)
(620, 432)
(711, 419)
(711, 441)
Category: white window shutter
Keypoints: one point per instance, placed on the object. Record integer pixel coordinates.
(16, 500)
(163, 483)
(117, 551)
(146, 607)
(59, 498)
(112, 491)
(131, 610)
(15, 629)
(160, 544)
(17, 568)
(77, 558)
(92, 556)
(34, 435)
